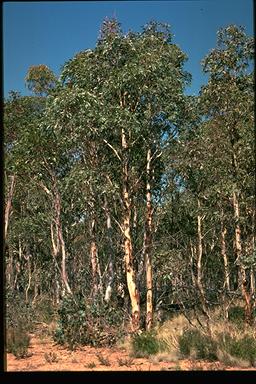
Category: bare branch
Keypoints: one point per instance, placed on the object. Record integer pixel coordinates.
(113, 149)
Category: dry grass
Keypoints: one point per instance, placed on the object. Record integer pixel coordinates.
(172, 329)
(169, 333)
(232, 361)
(167, 357)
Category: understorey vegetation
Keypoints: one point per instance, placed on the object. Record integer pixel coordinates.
(129, 205)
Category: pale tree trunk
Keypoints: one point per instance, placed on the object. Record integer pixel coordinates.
(252, 269)
(93, 258)
(27, 258)
(128, 251)
(61, 242)
(199, 251)
(110, 282)
(242, 271)
(199, 263)
(57, 239)
(225, 257)
(192, 262)
(8, 206)
(148, 247)
(58, 243)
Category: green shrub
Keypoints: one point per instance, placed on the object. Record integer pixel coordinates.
(244, 348)
(17, 342)
(19, 314)
(192, 343)
(44, 310)
(236, 315)
(83, 323)
(146, 344)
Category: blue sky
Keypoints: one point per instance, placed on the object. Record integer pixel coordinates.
(48, 32)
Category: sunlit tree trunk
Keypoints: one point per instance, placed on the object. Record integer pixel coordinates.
(96, 273)
(148, 247)
(61, 242)
(224, 256)
(128, 250)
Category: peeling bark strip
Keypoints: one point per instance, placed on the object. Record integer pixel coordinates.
(128, 251)
(8, 205)
(148, 247)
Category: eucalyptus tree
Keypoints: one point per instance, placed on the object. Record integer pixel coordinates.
(116, 103)
(21, 116)
(40, 79)
(227, 103)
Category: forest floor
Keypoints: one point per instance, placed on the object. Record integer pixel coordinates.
(46, 355)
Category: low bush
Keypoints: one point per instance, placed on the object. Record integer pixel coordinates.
(44, 310)
(236, 315)
(81, 322)
(192, 343)
(19, 315)
(146, 344)
(243, 348)
(17, 342)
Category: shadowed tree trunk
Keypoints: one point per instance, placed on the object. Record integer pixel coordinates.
(243, 283)
(110, 282)
(8, 206)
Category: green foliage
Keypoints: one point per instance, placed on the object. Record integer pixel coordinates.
(69, 144)
(146, 344)
(236, 315)
(40, 79)
(192, 343)
(44, 310)
(19, 315)
(84, 323)
(243, 348)
(17, 341)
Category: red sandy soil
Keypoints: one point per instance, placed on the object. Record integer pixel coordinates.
(46, 355)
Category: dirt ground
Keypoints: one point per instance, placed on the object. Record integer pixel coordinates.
(45, 355)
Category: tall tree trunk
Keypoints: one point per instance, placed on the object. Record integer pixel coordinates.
(128, 250)
(224, 256)
(148, 247)
(8, 206)
(242, 271)
(110, 282)
(27, 258)
(93, 257)
(199, 263)
(253, 250)
(199, 250)
(60, 244)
